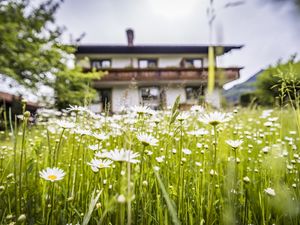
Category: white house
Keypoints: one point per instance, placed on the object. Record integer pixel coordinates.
(152, 75)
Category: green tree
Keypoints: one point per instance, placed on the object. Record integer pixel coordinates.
(31, 52)
(279, 84)
(73, 87)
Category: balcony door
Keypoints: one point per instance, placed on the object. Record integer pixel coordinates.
(105, 99)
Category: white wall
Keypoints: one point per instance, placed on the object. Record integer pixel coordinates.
(164, 61)
(169, 61)
(214, 98)
(96, 108)
(123, 61)
(124, 97)
(172, 93)
(205, 62)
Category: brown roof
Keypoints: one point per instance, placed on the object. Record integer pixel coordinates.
(151, 49)
(9, 98)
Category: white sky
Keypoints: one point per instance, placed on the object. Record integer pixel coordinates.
(269, 32)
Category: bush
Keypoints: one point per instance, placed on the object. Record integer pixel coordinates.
(279, 84)
(247, 99)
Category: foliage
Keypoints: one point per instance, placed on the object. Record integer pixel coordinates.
(31, 52)
(29, 49)
(279, 84)
(247, 98)
(73, 87)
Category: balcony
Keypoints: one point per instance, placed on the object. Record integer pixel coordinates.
(223, 75)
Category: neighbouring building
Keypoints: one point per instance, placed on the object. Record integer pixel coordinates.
(11, 106)
(11, 96)
(152, 75)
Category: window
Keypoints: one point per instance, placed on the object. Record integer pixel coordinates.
(149, 93)
(192, 63)
(150, 96)
(193, 93)
(147, 63)
(101, 63)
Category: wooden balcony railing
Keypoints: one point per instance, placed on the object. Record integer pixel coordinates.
(223, 75)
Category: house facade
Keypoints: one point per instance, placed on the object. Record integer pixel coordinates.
(152, 75)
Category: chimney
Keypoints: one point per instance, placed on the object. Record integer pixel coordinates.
(130, 36)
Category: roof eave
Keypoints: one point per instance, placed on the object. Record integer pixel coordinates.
(151, 49)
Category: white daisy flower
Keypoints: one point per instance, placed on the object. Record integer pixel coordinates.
(147, 139)
(48, 112)
(65, 124)
(197, 108)
(266, 113)
(198, 163)
(156, 168)
(121, 199)
(93, 147)
(82, 131)
(101, 136)
(234, 143)
(76, 108)
(186, 151)
(199, 132)
(156, 120)
(266, 149)
(199, 145)
(273, 119)
(20, 117)
(160, 159)
(97, 164)
(268, 124)
(122, 155)
(270, 192)
(148, 152)
(142, 110)
(246, 179)
(213, 173)
(215, 118)
(52, 129)
(183, 116)
(52, 174)
(101, 154)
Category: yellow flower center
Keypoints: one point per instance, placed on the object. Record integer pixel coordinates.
(52, 177)
(214, 122)
(145, 143)
(101, 165)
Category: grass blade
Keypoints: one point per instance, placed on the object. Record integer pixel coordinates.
(92, 205)
(169, 203)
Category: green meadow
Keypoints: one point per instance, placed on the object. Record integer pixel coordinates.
(151, 167)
